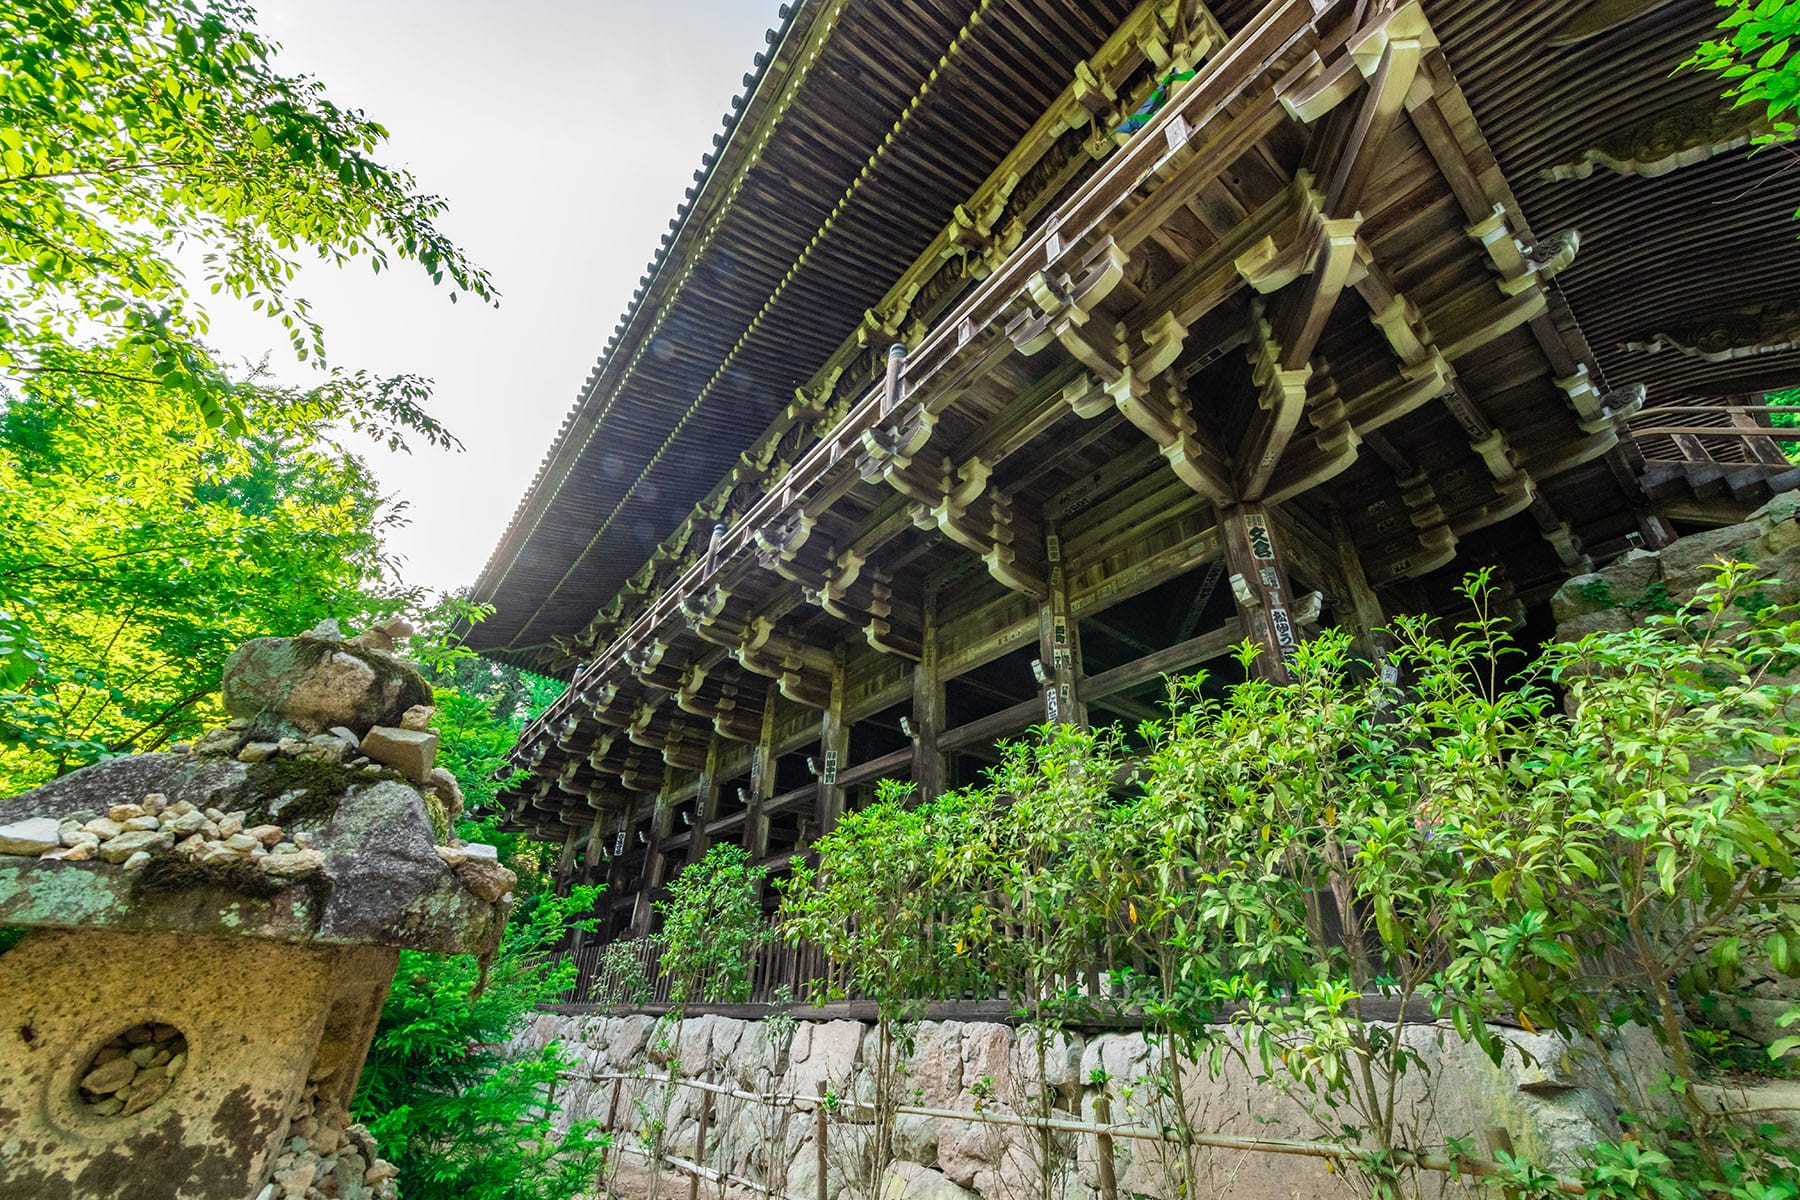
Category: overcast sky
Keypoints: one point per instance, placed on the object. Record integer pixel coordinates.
(563, 133)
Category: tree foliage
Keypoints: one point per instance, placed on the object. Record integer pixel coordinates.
(457, 1109)
(142, 548)
(1297, 876)
(134, 132)
(453, 1103)
(1755, 50)
(712, 926)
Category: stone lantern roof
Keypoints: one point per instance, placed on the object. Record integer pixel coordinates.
(317, 815)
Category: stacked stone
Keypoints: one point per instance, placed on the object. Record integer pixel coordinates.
(132, 834)
(302, 699)
(327, 1158)
(133, 1070)
(408, 749)
(350, 701)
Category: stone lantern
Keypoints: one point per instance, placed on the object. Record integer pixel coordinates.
(210, 935)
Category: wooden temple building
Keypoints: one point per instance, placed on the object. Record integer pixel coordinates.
(952, 404)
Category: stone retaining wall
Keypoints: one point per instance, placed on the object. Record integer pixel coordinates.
(1547, 1110)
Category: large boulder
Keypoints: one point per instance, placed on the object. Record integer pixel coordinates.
(308, 684)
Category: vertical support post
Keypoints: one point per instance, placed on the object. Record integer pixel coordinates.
(834, 745)
(706, 801)
(896, 361)
(1103, 1149)
(1059, 645)
(1366, 613)
(706, 1103)
(662, 816)
(589, 860)
(819, 1127)
(612, 1115)
(762, 780)
(928, 708)
(565, 861)
(1259, 581)
(615, 869)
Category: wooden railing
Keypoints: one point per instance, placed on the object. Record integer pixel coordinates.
(783, 974)
(780, 974)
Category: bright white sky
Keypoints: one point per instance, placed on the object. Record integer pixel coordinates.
(563, 133)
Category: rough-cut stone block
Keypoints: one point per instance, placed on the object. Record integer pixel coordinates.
(118, 849)
(297, 865)
(1062, 1063)
(34, 835)
(1685, 562)
(313, 683)
(987, 1048)
(830, 1053)
(936, 1066)
(626, 1038)
(409, 751)
(909, 1181)
(485, 879)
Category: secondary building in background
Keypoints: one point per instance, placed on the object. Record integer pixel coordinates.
(977, 385)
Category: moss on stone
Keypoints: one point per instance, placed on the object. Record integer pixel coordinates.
(167, 874)
(298, 791)
(437, 811)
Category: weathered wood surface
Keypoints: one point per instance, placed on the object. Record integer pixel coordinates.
(1305, 344)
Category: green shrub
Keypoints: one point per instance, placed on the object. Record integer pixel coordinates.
(451, 1104)
(1588, 840)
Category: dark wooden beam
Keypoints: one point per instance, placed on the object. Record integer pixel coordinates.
(1182, 654)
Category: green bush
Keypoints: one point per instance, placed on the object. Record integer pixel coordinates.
(712, 926)
(1587, 840)
(458, 1111)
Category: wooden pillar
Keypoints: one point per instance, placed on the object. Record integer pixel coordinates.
(1259, 581)
(565, 861)
(615, 869)
(928, 708)
(596, 844)
(834, 745)
(762, 780)
(652, 879)
(1366, 616)
(1059, 642)
(706, 801)
(590, 859)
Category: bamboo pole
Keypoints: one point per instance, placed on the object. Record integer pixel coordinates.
(1109, 1181)
(1423, 1160)
(819, 1127)
(706, 1103)
(683, 1165)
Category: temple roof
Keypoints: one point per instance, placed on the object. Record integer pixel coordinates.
(858, 135)
(868, 127)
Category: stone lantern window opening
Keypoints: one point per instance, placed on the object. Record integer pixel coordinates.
(131, 1070)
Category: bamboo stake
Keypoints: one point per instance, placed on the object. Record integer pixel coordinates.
(706, 1103)
(1423, 1160)
(1109, 1182)
(612, 1112)
(819, 1126)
